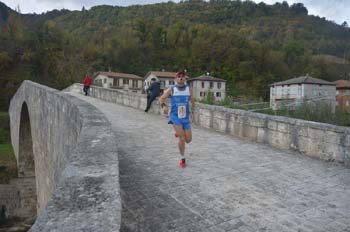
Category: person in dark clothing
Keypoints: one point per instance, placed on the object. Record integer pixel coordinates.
(152, 92)
(87, 83)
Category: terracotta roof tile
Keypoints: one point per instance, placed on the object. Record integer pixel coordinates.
(206, 78)
(161, 74)
(303, 80)
(119, 75)
(342, 83)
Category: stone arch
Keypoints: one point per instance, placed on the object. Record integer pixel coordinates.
(24, 193)
(25, 147)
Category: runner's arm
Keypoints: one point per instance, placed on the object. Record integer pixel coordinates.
(165, 95)
(192, 102)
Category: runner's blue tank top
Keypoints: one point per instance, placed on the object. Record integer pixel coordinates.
(180, 110)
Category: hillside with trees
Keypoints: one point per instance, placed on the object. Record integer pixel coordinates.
(250, 45)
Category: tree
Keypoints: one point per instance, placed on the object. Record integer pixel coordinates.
(143, 29)
(299, 8)
(18, 9)
(5, 61)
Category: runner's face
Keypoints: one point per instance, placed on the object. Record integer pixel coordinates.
(180, 80)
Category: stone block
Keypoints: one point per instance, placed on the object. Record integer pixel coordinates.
(261, 135)
(254, 120)
(220, 121)
(250, 132)
(205, 118)
(278, 139)
(347, 141)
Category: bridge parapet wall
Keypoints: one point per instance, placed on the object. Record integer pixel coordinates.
(319, 140)
(75, 159)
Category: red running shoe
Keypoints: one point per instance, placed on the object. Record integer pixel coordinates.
(182, 163)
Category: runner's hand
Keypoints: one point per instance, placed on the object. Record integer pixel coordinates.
(191, 117)
(165, 110)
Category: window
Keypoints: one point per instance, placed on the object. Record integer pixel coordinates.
(125, 81)
(202, 84)
(282, 92)
(105, 80)
(337, 92)
(135, 84)
(211, 85)
(218, 94)
(204, 94)
(272, 92)
(201, 94)
(219, 85)
(171, 82)
(116, 82)
(288, 91)
(347, 103)
(299, 91)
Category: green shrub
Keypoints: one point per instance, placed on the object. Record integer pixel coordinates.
(317, 112)
(210, 100)
(8, 167)
(226, 102)
(4, 128)
(4, 136)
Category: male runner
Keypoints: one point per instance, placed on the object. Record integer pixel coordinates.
(180, 113)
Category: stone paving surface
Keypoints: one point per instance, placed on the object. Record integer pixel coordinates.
(230, 184)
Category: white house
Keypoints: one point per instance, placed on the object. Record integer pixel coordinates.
(292, 92)
(123, 81)
(204, 84)
(166, 79)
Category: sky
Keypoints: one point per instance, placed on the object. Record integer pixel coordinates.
(335, 10)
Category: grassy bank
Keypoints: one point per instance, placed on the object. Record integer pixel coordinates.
(8, 167)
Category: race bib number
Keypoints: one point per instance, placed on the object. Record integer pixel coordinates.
(181, 111)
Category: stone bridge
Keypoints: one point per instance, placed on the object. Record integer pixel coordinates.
(101, 166)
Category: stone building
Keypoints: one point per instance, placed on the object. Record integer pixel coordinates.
(343, 94)
(123, 81)
(294, 91)
(204, 84)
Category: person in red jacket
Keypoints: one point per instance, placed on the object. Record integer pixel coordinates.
(87, 83)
